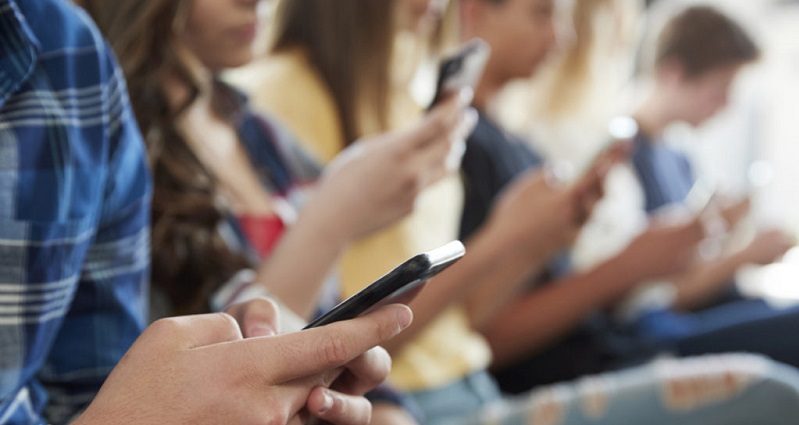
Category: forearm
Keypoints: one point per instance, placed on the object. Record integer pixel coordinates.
(706, 280)
(537, 319)
(507, 275)
(488, 258)
(296, 271)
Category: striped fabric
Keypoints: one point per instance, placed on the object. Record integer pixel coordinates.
(74, 202)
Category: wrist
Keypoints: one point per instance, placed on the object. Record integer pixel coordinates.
(327, 229)
(741, 258)
(509, 242)
(624, 270)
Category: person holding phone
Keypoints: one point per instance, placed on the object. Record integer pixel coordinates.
(555, 331)
(307, 82)
(698, 310)
(235, 368)
(577, 341)
(239, 208)
(197, 369)
(74, 231)
(437, 361)
(691, 83)
(305, 68)
(224, 174)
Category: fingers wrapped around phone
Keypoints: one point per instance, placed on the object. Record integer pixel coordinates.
(337, 408)
(256, 318)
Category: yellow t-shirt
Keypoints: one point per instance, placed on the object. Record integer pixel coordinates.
(287, 87)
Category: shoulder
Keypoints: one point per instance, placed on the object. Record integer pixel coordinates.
(484, 132)
(478, 144)
(279, 76)
(73, 59)
(63, 29)
(489, 144)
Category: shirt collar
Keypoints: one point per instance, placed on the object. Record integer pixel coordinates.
(19, 49)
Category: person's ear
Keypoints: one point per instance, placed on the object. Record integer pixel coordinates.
(670, 73)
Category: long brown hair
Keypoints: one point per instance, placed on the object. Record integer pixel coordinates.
(350, 43)
(190, 257)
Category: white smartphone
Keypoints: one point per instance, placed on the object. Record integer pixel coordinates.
(462, 69)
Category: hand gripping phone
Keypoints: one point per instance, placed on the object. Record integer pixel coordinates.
(462, 69)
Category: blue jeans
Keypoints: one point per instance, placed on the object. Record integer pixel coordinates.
(463, 398)
(738, 326)
(711, 390)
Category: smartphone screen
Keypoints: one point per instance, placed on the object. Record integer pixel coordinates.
(398, 286)
(462, 69)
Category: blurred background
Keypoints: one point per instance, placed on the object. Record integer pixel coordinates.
(751, 148)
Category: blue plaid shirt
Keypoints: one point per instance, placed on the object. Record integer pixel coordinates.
(74, 212)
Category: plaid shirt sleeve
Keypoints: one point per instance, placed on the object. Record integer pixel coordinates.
(74, 213)
(109, 308)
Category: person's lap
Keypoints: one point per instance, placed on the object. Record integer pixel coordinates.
(738, 326)
(461, 399)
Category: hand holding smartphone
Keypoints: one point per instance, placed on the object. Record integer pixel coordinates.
(461, 70)
(399, 286)
(701, 196)
(590, 187)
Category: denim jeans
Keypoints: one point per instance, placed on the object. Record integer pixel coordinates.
(739, 326)
(463, 398)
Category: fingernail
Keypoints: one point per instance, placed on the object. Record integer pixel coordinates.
(261, 331)
(327, 402)
(404, 317)
(465, 96)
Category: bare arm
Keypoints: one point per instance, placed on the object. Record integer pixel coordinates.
(706, 280)
(295, 277)
(535, 320)
(369, 186)
(531, 221)
(492, 260)
(556, 222)
(701, 283)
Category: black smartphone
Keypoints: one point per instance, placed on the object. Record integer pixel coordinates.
(398, 286)
(462, 69)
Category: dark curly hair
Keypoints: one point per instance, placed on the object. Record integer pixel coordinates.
(190, 257)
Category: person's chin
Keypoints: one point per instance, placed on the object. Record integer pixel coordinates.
(236, 61)
(535, 65)
(696, 122)
(532, 70)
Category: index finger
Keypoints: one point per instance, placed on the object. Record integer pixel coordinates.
(311, 352)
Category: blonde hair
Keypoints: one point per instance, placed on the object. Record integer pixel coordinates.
(572, 73)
